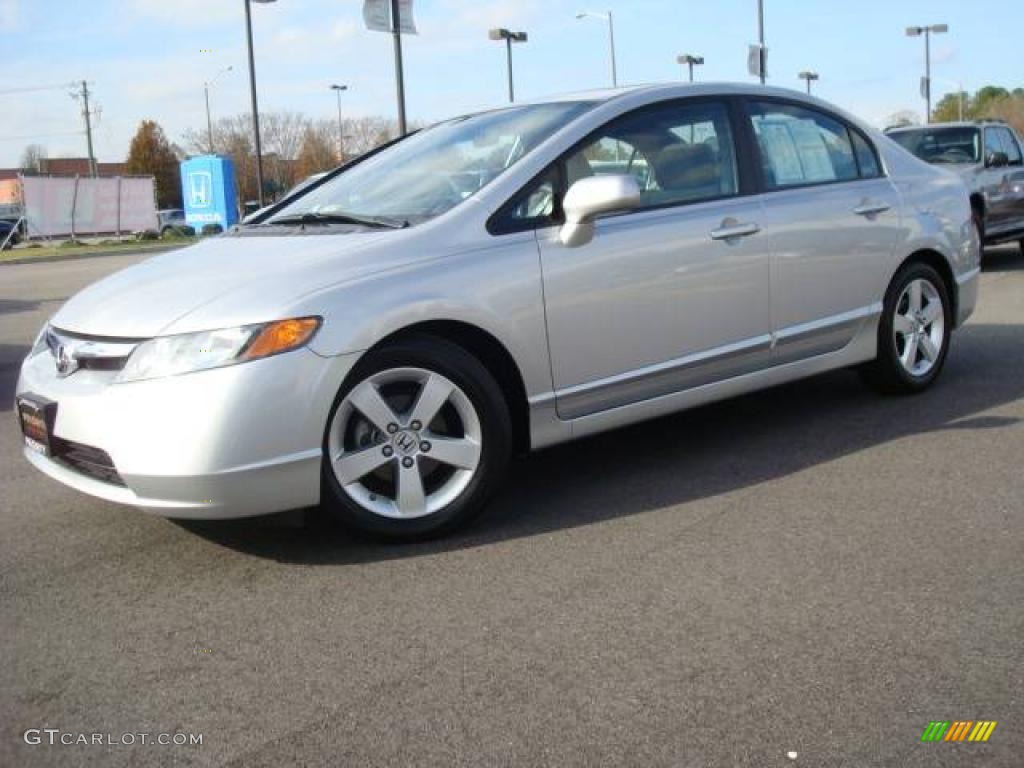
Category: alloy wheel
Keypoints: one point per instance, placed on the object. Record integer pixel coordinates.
(404, 443)
(919, 327)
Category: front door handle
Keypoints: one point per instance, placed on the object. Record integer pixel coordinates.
(734, 230)
(871, 209)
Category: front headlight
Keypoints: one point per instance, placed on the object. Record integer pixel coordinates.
(188, 352)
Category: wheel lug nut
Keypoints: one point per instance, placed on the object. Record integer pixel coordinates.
(389, 451)
(416, 426)
(392, 428)
(407, 462)
(425, 447)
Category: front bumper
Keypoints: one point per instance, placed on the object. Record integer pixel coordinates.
(229, 442)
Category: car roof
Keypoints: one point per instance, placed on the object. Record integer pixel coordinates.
(675, 89)
(934, 126)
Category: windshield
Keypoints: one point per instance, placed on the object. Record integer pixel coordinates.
(942, 145)
(436, 169)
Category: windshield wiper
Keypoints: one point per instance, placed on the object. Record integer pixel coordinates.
(337, 218)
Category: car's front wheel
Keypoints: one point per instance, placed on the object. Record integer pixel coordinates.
(417, 441)
(913, 334)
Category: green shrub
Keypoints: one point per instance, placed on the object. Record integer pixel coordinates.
(212, 229)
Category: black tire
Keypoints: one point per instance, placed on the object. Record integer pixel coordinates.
(469, 374)
(979, 226)
(886, 373)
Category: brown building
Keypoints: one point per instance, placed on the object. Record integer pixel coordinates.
(68, 166)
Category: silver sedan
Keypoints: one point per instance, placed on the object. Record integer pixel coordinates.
(384, 342)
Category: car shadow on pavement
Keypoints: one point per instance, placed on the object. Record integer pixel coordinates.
(11, 356)
(693, 455)
(1006, 258)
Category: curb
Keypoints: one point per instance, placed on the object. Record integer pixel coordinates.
(92, 254)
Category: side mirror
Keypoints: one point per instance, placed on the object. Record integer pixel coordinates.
(997, 160)
(590, 197)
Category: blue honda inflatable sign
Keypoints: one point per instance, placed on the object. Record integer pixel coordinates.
(208, 189)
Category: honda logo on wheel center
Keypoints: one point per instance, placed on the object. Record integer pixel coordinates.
(405, 442)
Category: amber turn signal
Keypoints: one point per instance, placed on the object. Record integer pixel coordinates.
(281, 336)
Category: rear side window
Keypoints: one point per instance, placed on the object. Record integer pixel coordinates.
(800, 146)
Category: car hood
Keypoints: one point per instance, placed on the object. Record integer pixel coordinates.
(262, 274)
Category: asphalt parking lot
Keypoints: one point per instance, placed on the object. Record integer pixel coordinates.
(814, 570)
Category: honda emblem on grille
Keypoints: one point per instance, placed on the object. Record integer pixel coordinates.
(65, 361)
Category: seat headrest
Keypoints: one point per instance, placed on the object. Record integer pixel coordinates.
(682, 166)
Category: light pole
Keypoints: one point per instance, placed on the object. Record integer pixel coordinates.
(689, 61)
(934, 29)
(206, 88)
(760, 40)
(611, 37)
(255, 106)
(509, 37)
(341, 131)
(808, 76)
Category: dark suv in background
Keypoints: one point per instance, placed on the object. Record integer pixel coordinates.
(988, 156)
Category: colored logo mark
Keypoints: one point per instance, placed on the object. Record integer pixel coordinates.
(958, 730)
(200, 185)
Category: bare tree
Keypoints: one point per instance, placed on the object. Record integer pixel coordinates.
(32, 157)
(284, 134)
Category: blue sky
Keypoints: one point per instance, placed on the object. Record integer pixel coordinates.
(149, 58)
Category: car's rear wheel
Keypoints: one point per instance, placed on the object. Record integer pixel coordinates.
(914, 331)
(417, 440)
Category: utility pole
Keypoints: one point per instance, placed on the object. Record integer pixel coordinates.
(396, 30)
(88, 127)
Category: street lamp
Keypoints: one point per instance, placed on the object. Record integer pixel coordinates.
(206, 88)
(509, 37)
(926, 84)
(688, 60)
(341, 131)
(808, 76)
(611, 37)
(255, 106)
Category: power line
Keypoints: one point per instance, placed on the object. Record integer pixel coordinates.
(61, 87)
(29, 137)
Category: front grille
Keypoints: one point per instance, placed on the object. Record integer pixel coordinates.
(76, 351)
(86, 460)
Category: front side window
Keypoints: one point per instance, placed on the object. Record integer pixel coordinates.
(678, 153)
(1010, 146)
(801, 146)
(992, 143)
(436, 169)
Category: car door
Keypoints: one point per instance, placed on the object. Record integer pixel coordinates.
(673, 294)
(1004, 182)
(831, 219)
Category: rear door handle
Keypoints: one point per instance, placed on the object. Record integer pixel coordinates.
(734, 230)
(871, 209)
